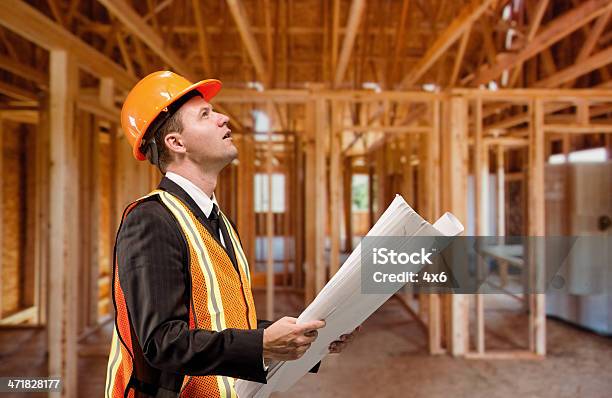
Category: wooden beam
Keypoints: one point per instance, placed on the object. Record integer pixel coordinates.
(335, 178)
(536, 228)
(202, 40)
(460, 24)
(248, 38)
(1, 203)
(580, 68)
(20, 116)
(125, 53)
(481, 212)
(321, 131)
(63, 281)
(399, 43)
(536, 20)
(25, 71)
(335, 34)
(135, 24)
(27, 316)
(51, 36)
(578, 128)
(96, 106)
(354, 19)
(455, 169)
(459, 57)
(16, 92)
(551, 33)
(270, 273)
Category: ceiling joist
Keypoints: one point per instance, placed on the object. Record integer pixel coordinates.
(240, 18)
(136, 25)
(51, 36)
(550, 34)
(451, 34)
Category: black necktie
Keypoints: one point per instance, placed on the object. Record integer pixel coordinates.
(213, 219)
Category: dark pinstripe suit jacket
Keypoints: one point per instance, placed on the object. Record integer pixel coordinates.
(153, 272)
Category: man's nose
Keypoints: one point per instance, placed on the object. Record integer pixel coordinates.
(222, 119)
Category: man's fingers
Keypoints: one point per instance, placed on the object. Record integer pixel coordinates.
(302, 340)
(311, 333)
(312, 325)
(336, 347)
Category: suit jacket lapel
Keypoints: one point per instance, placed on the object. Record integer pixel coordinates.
(171, 187)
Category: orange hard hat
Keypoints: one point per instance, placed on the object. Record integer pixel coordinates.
(152, 96)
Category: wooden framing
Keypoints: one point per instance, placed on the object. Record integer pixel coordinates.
(52, 36)
(355, 14)
(138, 27)
(240, 18)
(63, 281)
(331, 128)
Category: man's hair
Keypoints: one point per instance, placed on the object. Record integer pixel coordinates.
(173, 124)
(164, 124)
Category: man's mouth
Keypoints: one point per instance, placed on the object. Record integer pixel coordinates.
(228, 134)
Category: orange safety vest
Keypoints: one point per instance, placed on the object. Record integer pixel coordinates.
(221, 298)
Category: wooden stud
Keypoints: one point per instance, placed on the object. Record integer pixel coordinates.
(1, 208)
(501, 209)
(270, 221)
(536, 228)
(335, 185)
(455, 199)
(481, 187)
(320, 192)
(62, 328)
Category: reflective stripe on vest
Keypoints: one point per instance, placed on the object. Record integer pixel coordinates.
(221, 298)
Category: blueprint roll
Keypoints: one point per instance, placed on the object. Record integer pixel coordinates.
(341, 302)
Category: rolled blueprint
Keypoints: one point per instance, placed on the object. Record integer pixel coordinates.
(341, 302)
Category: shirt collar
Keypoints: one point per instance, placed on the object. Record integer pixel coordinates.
(202, 200)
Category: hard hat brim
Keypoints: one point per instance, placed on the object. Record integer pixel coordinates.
(208, 88)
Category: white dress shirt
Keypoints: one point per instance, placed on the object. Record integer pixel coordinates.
(202, 200)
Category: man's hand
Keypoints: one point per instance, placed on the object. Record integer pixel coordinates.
(340, 344)
(285, 340)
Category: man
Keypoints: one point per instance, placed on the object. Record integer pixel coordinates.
(185, 317)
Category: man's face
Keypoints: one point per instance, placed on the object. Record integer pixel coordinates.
(206, 135)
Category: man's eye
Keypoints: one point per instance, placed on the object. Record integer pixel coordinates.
(205, 113)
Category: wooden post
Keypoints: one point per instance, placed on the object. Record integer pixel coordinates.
(300, 184)
(455, 182)
(335, 200)
(501, 210)
(433, 159)
(536, 229)
(481, 187)
(429, 205)
(62, 327)
(320, 199)
(42, 211)
(310, 205)
(270, 221)
(347, 197)
(380, 170)
(1, 206)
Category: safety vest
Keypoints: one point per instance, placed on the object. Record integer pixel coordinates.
(221, 298)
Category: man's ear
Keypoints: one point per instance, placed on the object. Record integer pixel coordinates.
(174, 142)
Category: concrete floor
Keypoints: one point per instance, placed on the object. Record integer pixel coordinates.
(389, 359)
